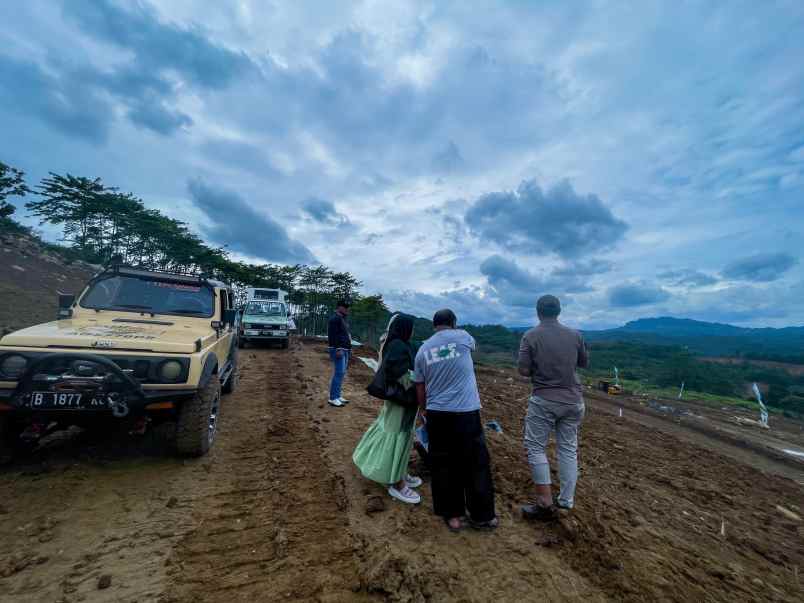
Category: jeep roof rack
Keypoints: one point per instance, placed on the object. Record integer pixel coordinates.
(162, 275)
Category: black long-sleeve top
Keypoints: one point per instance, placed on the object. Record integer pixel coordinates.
(338, 333)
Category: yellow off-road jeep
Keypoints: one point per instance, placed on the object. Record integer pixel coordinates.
(136, 345)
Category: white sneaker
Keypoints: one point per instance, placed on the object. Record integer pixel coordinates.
(411, 481)
(343, 400)
(406, 495)
(335, 402)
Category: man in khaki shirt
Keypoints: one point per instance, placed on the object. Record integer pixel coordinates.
(549, 355)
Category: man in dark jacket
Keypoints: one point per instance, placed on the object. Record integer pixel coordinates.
(549, 355)
(340, 348)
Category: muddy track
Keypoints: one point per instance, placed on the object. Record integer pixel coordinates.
(273, 510)
(247, 522)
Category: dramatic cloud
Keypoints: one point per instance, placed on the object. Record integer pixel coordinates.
(636, 294)
(146, 82)
(763, 267)
(159, 47)
(688, 277)
(58, 100)
(513, 285)
(398, 112)
(157, 117)
(469, 304)
(518, 287)
(323, 212)
(235, 223)
(560, 221)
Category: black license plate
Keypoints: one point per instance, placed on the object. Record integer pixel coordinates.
(66, 401)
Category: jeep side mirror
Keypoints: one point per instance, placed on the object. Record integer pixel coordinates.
(230, 317)
(66, 301)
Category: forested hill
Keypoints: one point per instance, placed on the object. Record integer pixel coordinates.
(711, 339)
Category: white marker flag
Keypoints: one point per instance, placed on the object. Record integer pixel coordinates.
(616, 376)
(763, 411)
(681, 391)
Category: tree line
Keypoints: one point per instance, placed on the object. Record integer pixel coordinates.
(103, 225)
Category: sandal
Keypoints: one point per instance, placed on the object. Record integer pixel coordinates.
(452, 528)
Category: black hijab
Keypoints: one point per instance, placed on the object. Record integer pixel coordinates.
(401, 328)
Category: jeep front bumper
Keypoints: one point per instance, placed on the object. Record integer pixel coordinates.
(81, 382)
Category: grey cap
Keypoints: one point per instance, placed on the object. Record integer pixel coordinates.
(548, 305)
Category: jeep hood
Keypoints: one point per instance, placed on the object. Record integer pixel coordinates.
(144, 336)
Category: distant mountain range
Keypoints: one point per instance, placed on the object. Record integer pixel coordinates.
(708, 338)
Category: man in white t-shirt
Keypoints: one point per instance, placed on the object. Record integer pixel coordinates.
(460, 464)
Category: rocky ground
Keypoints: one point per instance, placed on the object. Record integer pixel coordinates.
(277, 511)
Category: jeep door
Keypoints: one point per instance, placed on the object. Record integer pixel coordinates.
(226, 345)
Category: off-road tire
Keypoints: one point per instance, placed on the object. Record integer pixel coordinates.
(10, 445)
(194, 437)
(233, 380)
(241, 343)
(285, 344)
(6, 446)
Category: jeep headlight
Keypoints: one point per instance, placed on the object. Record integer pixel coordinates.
(13, 366)
(170, 370)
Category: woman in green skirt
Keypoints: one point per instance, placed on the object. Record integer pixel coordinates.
(383, 452)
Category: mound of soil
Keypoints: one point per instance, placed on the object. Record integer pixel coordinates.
(31, 279)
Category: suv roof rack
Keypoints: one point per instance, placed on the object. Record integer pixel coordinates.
(162, 275)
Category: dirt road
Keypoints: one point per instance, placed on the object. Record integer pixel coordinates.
(278, 512)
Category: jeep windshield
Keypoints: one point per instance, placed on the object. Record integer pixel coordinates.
(265, 309)
(133, 294)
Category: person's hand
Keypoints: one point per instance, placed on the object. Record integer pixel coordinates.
(338, 353)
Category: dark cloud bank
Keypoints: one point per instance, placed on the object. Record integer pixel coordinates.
(688, 277)
(558, 221)
(632, 295)
(763, 267)
(518, 287)
(236, 224)
(80, 100)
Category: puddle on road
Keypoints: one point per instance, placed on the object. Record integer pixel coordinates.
(797, 453)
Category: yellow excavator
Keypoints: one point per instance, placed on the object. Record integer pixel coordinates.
(612, 389)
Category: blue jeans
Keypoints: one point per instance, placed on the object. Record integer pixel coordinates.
(339, 365)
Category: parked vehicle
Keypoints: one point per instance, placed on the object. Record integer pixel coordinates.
(136, 345)
(266, 318)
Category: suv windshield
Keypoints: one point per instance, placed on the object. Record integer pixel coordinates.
(141, 295)
(265, 308)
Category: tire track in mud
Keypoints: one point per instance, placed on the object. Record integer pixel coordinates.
(272, 526)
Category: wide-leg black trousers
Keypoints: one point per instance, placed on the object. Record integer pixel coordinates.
(460, 465)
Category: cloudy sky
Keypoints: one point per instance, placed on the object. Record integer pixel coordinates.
(636, 159)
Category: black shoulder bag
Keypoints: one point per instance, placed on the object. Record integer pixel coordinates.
(380, 388)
